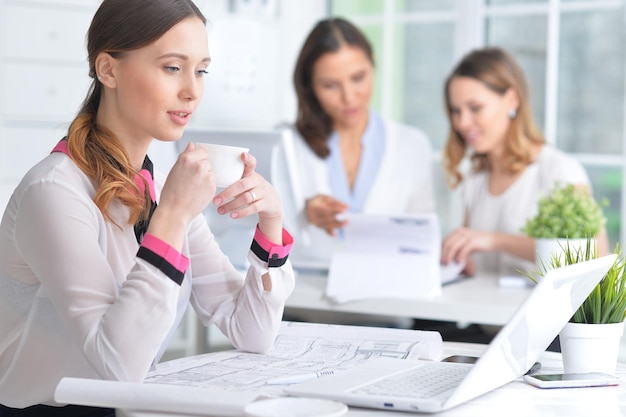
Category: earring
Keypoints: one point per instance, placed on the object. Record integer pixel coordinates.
(512, 114)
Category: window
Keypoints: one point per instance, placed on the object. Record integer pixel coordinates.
(573, 53)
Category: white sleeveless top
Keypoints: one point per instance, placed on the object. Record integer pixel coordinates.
(508, 211)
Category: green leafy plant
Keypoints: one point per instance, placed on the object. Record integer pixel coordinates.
(568, 212)
(607, 301)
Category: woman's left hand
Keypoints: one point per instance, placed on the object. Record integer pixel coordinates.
(253, 194)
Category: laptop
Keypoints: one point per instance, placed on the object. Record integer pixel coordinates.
(429, 387)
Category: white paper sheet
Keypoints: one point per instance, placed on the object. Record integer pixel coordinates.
(386, 256)
(300, 348)
(451, 272)
(188, 400)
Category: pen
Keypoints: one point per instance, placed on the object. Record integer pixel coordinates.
(296, 379)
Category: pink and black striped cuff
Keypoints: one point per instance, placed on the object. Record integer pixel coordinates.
(158, 253)
(267, 251)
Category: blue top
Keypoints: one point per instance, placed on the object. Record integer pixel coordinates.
(373, 146)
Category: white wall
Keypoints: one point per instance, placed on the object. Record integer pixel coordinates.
(43, 72)
(253, 60)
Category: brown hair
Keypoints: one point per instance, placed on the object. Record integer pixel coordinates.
(328, 36)
(117, 27)
(499, 72)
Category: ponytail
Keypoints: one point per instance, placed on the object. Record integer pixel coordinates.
(117, 27)
(98, 153)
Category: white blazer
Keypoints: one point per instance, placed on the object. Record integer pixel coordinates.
(404, 184)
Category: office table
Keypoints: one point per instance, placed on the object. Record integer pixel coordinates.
(515, 399)
(475, 300)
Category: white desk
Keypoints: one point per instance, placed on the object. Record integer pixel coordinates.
(478, 300)
(515, 399)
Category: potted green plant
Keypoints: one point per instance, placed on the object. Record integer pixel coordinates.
(569, 214)
(590, 341)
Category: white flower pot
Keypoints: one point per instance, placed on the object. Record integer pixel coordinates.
(546, 249)
(590, 347)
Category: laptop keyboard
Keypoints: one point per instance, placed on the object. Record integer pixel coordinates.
(425, 381)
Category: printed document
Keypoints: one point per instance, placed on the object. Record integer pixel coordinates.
(381, 256)
(229, 380)
(300, 348)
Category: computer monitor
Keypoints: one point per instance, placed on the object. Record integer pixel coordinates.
(274, 153)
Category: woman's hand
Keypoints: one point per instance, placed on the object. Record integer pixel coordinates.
(322, 211)
(461, 243)
(253, 194)
(470, 268)
(188, 190)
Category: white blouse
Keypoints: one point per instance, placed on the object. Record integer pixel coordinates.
(508, 212)
(77, 300)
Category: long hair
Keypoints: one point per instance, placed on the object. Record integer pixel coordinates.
(498, 71)
(328, 36)
(117, 27)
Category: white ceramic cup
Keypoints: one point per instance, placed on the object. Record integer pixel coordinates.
(225, 162)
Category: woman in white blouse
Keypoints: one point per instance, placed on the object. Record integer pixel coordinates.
(512, 166)
(98, 262)
(350, 158)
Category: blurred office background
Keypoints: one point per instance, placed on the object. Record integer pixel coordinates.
(573, 52)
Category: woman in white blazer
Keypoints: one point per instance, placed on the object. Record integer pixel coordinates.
(350, 159)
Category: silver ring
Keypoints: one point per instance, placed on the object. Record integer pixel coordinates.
(253, 195)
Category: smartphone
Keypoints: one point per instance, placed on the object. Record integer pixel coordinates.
(460, 359)
(594, 379)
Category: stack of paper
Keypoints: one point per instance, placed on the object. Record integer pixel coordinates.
(383, 256)
(300, 348)
(223, 383)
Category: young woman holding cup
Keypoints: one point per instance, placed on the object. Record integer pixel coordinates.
(98, 259)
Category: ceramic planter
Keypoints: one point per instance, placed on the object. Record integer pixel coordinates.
(546, 249)
(590, 347)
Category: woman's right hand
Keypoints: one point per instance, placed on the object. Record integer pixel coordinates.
(190, 185)
(188, 190)
(322, 211)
